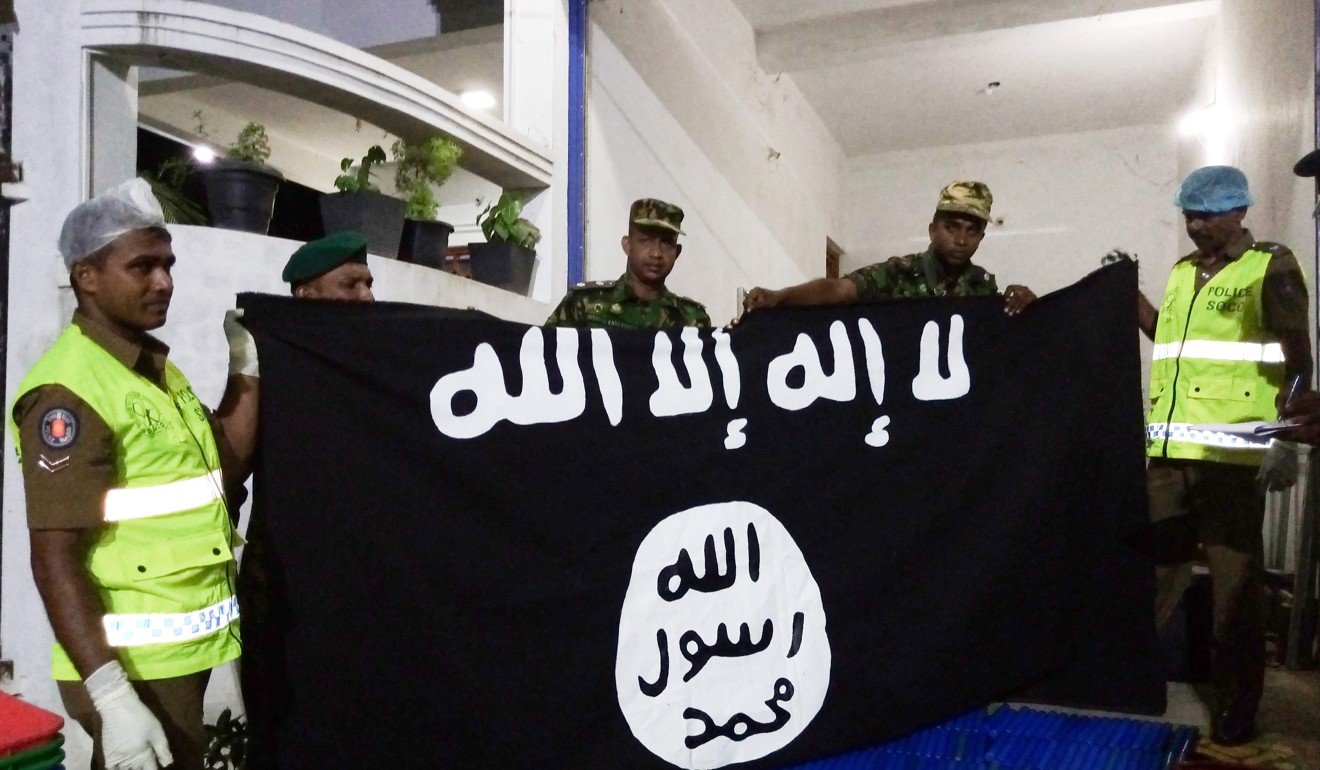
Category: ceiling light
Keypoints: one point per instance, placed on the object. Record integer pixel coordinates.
(203, 154)
(1190, 125)
(1202, 123)
(478, 99)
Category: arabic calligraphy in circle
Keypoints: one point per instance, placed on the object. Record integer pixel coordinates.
(723, 655)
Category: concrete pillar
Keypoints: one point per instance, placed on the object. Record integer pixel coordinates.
(112, 121)
(49, 124)
(535, 104)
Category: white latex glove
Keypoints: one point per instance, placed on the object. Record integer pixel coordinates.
(1278, 471)
(242, 348)
(131, 736)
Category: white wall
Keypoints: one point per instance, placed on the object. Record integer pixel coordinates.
(1264, 85)
(48, 138)
(360, 24)
(678, 109)
(1065, 201)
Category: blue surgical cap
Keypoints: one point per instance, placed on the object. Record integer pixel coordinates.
(1214, 190)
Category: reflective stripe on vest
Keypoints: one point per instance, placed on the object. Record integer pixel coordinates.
(1214, 362)
(137, 630)
(163, 499)
(1217, 350)
(167, 506)
(1190, 434)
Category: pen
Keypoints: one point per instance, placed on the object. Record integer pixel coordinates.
(1294, 387)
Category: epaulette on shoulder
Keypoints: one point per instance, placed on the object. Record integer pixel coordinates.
(1272, 247)
(592, 286)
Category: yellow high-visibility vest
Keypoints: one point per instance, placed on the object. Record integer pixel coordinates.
(163, 561)
(1213, 362)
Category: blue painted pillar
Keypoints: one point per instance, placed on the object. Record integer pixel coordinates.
(577, 140)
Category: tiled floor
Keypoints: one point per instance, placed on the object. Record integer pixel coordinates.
(1289, 712)
(1289, 721)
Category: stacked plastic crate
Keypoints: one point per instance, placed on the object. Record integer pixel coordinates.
(1007, 738)
(29, 736)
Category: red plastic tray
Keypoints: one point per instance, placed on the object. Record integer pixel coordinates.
(24, 726)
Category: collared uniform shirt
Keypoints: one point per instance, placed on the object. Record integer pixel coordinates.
(1284, 304)
(66, 483)
(614, 305)
(919, 275)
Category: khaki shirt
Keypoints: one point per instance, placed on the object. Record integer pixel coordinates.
(66, 487)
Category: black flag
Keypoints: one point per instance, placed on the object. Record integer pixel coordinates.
(492, 545)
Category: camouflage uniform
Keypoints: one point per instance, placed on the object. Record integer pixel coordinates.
(919, 275)
(614, 305)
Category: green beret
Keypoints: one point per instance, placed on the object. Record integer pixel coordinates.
(322, 255)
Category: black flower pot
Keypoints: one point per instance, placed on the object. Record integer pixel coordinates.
(425, 242)
(505, 265)
(377, 216)
(240, 195)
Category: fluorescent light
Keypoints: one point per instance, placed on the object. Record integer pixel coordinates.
(203, 154)
(1211, 127)
(478, 99)
(1203, 123)
(1191, 123)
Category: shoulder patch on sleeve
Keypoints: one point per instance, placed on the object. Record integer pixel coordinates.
(59, 428)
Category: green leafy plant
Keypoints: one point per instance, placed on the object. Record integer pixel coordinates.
(167, 184)
(227, 743)
(422, 168)
(502, 222)
(359, 181)
(200, 128)
(252, 144)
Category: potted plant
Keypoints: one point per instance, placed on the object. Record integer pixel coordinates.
(359, 205)
(422, 168)
(240, 187)
(509, 253)
(167, 185)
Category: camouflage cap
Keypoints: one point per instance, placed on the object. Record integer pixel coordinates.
(972, 198)
(651, 212)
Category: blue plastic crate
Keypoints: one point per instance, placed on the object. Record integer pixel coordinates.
(1009, 738)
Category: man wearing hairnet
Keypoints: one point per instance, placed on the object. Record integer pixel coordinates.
(1231, 346)
(132, 542)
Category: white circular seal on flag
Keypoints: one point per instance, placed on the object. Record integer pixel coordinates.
(723, 656)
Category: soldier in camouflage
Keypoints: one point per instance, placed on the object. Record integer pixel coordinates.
(639, 299)
(944, 269)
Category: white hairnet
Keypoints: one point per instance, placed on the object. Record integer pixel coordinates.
(96, 222)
